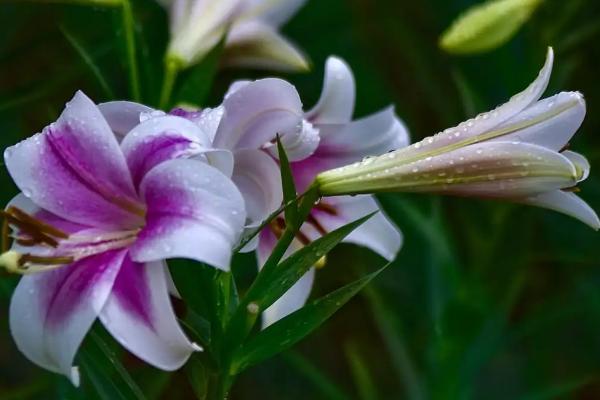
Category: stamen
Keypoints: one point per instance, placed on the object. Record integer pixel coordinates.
(28, 258)
(321, 263)
(328, 209)
(572, 189)
(42, 226)
(5, 235)
(29, 229)
(314, 222)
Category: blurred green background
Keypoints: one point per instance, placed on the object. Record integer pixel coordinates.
(485, 301)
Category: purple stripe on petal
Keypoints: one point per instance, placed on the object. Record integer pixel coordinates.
(67, 288)
(131, 290)
(151, 153)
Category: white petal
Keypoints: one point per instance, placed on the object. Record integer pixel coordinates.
(580, 162)
(378, 234)
(550, 122)
(257, 176)
(75, 169)
(485, 122)
(336, 104)
(123, 116)
(566, 203)
(256, 113)
(373, 135)
(140, 316)
(194, 211)
(257, 45)
(275, 13)
(51, 312)
(291, 301)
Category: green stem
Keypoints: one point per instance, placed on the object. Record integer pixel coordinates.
(129, 31)
(172, 68)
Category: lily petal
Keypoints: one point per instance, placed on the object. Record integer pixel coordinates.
(293, 300)
(378, 234)
(76, 170)
(257, 176)
(159, 139)
(341, 145)
(51, 312)
(139, 315)
(275, 109)
(257, 45)
(566, 203)
(336, 104)
(122, 116)
(276, 13)
(551, 122)
(194, 211)
(478, 129)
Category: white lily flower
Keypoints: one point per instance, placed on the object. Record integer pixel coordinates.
(515, 152)
(250, 27)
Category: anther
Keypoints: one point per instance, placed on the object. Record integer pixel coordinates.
(572, 189)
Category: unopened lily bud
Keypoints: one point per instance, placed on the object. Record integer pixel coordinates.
(514, 152)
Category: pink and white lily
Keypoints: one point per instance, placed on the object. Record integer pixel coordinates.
(341, 141)
(250, 27)
(93, 225)
(516, 152)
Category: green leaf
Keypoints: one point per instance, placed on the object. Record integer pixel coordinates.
(89, 62)
(107, 375)
(487, 26)
(296, 326)
(197, 80)
(273, 281)
(287, 183)
(198, 376)
(360, 372)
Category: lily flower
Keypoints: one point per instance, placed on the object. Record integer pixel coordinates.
(250, 29)
(342, 141)
(93, 225)
(515, 152)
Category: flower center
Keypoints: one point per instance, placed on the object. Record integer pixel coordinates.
(54, 247)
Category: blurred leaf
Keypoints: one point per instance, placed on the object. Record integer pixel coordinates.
(557, 390)
(196, 81)
(360, 371)
(296, 326)
(317, 377)
(487, 26)
(106, 373)
(89, 61)
(198, 376)
(289, 188)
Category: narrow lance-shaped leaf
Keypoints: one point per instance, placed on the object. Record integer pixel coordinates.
(271, 284)
(275, 279)
(296, 326)
(105, 372)
(487, 26)
(287, 183)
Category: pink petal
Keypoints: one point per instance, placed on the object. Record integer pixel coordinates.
(75, 169)
(51, 312)
(159, 139)
(194, 211)
(336, 104)
(139, 315)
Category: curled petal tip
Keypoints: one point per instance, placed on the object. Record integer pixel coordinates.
(196, 347)
(75, 376)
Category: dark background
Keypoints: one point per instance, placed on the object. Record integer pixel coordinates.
(486, 300)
